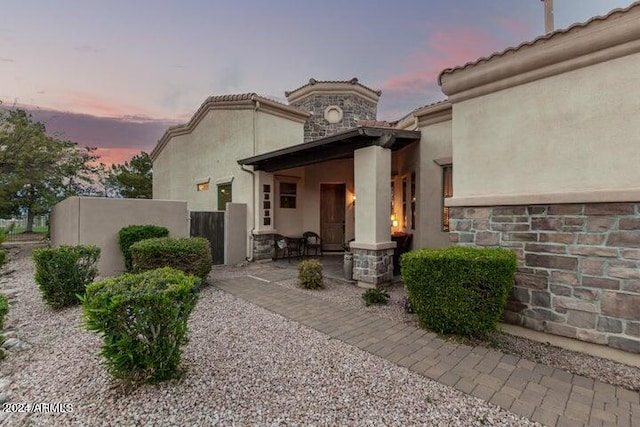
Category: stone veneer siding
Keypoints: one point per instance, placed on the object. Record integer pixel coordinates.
(578, 266)
(263, 246)
(373, 266)
(353, 108)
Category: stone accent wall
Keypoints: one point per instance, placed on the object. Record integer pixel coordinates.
(373, 266)
(578, 266)
(263, 246)
(354, 109)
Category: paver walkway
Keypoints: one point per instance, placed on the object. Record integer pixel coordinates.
(541, 393)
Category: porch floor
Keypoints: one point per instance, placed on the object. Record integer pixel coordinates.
(332, 264)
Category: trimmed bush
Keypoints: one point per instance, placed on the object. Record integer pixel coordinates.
(375, 296)
(3, 257)
(63, 272)
(310, 274)
(135, 233)
(143, 320)
(189, 254)
(4, 309)
(459, 290)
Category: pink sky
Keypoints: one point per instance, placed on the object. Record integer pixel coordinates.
(116, 74)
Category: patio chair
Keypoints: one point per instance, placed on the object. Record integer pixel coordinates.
(312, 242)
(286, 247)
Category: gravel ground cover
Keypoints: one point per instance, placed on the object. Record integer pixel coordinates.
(578, 363)
(244, 366)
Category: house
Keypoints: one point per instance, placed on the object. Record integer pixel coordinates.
(301, 167)
(546, 148)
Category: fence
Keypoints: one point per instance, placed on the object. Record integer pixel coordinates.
(17, 227)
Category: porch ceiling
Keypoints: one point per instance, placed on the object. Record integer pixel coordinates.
(337, 146)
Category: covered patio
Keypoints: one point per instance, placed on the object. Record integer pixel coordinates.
(370, 150)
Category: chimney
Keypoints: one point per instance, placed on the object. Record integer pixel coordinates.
(548, 16)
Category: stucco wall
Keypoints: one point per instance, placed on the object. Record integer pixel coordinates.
(64, 222)
(210, 152)
(235, 247)
(435, 144)
(569, 133)
(97, 221)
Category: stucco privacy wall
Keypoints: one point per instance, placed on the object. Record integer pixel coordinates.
(545, 138)
(235, 243)
(97, 221)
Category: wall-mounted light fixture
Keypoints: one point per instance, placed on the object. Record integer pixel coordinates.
(394, 221)
(353, 199)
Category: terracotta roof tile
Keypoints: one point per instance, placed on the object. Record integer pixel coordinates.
(312, 81)
(554, 34)
(415, 110)
(374, 123)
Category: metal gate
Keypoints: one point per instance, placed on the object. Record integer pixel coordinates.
(210, 225)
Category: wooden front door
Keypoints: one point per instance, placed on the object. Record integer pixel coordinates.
(332, 200)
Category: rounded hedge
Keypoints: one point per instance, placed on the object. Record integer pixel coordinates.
(143, 320)
(63, 272)
(189, 254)
(131, 234)
(310, 274)
(4, 309)
(459, 290)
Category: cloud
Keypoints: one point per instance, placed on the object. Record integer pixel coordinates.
(88, 49)
(117, 138)
(522, 30)
(7, 60)
(442, 49)
(110, 156)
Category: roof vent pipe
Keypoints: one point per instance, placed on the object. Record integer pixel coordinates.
(548, 16)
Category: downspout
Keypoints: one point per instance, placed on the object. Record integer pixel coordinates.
(253, 180)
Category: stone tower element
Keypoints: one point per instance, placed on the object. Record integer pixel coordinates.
(336, 106)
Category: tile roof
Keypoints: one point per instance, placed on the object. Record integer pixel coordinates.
(558, 33)
(374, 123)
(415, 110)
(353, 81)
(222, 99)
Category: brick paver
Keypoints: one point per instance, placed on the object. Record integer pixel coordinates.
(550, 396)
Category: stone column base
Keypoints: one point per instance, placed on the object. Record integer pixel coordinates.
(372, 264)
(263, 246)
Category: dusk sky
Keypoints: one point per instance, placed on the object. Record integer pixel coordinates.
(116, 74)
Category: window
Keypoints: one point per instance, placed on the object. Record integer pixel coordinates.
(266, 204)
(404, 201)
(203, 186)
(288, 192)
(413, 201)
(224, 196)
(447, 191)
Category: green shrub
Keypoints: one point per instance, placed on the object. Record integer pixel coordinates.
(4, 233)
(189, 254)
(63, 272)
(4, 308)
(143, 320)
(459, 290)
(135, 233)
(3, 257)
(375, 296)
(310, 274)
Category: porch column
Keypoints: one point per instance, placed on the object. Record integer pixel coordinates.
(372, 249)
(263, 207)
